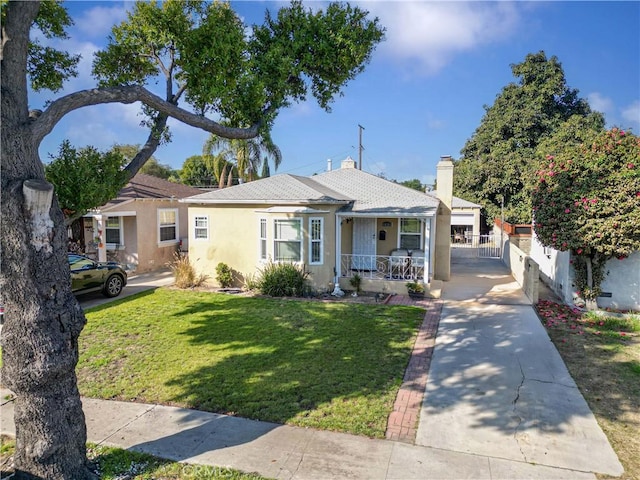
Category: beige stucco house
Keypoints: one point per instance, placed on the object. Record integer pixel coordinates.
(143, 226)
(337, 224)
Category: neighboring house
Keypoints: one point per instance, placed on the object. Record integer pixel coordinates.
(336, 224)
(142, 227)
(620, 288)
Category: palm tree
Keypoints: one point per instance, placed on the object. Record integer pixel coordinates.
(245, 156)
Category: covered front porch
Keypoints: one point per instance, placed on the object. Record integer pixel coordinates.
(385, 251)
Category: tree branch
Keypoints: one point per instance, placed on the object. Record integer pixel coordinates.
(130, 94)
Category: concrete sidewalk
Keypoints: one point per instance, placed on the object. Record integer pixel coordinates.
(499, 405)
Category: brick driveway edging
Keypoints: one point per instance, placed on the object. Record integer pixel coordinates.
(402, 424)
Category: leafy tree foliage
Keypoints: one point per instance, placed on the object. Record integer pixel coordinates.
(85, 178)
(198, 172)
(587, 201)
(414, 183)
(496, 162)
(205, 58)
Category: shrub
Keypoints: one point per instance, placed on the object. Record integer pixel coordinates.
(224, 275)
(184, 272)
(283, 280)
(251, 282)
(356, 282)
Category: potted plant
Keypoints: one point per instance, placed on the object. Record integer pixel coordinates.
(415, 289)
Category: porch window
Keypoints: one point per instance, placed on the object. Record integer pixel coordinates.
(113, 231)
(410, 233)
(315, 241)
(263, 239)
(201, 228)
(287, 240)
(168, 225)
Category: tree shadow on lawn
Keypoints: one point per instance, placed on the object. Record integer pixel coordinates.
(298, 362)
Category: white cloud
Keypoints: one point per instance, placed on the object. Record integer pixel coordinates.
(631, 114)
(431, 33)
(600, 103)
(97, 22)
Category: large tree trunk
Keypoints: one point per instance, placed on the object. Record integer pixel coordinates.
(42, 317)
(42, 324)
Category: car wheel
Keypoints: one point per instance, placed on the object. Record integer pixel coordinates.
(113, 286)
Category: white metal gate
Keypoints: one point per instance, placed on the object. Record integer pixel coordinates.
(475, 246)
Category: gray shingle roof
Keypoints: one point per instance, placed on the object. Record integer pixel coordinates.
(375, 195)
(361, 192)
(282, 189)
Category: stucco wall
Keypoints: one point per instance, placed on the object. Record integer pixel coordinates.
(622, 281)
(141, 237)
(234, 240)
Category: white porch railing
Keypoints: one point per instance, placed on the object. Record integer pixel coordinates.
(382, 267)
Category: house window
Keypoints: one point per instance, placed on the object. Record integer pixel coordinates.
(168, 225)
(410, 233)
(287, 240)
(315, 241)
(113, 231)
(263, 239)
(201, 228)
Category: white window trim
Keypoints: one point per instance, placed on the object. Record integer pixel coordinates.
(196, 228)
(312, 240)
(301, 240)
(177, 239)
(120, 244)
(263, 221)
(420, 233)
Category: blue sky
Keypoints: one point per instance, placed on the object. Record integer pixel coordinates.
(423, 93)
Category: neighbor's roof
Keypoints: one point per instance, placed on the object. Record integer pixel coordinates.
(361, 193)
(458, 202)
(143, 186)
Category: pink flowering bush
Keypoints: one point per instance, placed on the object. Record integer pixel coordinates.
(587, 201)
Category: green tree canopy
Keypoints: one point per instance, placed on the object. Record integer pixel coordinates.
(198, 172)
(497, 161)
(587, 200)
(85, 178)
(414, 183)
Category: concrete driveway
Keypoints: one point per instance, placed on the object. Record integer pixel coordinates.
(497, 386)
(135, 284)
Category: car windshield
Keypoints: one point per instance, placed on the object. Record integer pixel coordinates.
(77, 262)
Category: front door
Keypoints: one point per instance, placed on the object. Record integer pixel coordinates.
(364, 244)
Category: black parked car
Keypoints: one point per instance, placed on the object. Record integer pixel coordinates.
(89, 276)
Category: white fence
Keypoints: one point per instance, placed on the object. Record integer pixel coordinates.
(379, 267)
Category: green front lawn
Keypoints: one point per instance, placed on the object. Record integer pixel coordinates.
(334, 366)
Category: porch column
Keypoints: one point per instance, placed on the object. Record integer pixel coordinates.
(338, 249)
(427, 249)
(102, 246)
